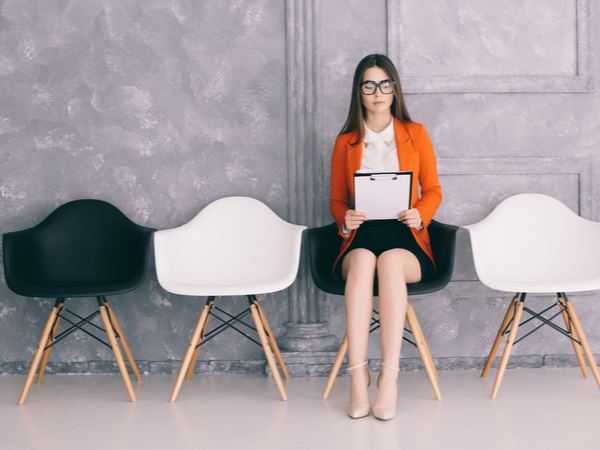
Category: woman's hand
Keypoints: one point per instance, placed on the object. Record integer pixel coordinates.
(354, 219)
(411, 218)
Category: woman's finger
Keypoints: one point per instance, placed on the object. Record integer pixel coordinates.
(354, 219)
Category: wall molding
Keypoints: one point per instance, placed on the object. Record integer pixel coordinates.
(582, 81)
(305, 329)
(299, 364)
(585, 168)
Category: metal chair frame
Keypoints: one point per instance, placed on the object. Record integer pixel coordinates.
(228, 323)
(375, 327)
(50, 338)
(512, 322)
(200, 337)
(55, 339)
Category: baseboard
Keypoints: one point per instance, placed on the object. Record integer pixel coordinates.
(299, 364)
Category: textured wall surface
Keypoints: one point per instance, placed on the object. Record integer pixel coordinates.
(158, 107)
(162, 106)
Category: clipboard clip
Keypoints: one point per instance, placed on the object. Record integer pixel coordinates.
(383, 177)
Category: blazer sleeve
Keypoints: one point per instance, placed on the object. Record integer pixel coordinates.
(431, 191)
(339, 201)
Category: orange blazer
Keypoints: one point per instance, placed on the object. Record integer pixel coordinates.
(415, 153)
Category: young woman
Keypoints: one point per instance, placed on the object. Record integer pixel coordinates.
(380, 135)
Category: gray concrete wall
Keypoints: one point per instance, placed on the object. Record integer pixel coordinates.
(161, 107)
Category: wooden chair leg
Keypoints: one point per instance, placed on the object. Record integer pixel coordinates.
(192, 365)
(272, 341)
(420, 331)
(124, 344)
(425, 356)
(336, 366)
(38, 355)
(42, 370)
(265, 343)
(189, 353)
(117, 351)
(584, 344)
(508, 348)
(571, 329)
(499, 336)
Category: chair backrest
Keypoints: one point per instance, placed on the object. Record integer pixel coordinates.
(324, 246)
(84, 248)
(534, 243)
(234, 246)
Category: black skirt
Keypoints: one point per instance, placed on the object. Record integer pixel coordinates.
(379, 236)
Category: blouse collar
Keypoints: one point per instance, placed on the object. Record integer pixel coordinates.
(386, 135)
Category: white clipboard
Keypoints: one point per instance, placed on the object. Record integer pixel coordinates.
(382, 195)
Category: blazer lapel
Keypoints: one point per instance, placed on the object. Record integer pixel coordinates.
(403, 145)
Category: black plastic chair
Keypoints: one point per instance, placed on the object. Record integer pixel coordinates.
(324, 245)
(85, 248)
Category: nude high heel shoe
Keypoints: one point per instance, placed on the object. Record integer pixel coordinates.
(358, 411)
(385, 412)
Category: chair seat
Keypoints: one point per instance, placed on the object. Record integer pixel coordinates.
(533, 243)
(55, 291)
(544, 286)
(325, 242)
(224, 290)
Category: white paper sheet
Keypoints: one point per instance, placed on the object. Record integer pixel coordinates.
(382, 195)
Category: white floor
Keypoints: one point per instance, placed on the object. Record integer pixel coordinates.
(536, 409)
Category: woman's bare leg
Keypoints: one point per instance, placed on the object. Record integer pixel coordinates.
(395, 268)
(358, 269)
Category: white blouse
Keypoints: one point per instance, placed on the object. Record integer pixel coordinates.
(380, 151)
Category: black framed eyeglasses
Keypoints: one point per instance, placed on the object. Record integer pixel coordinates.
(370, 87)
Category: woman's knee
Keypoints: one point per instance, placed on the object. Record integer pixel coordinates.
(360, 262)
(399, 263)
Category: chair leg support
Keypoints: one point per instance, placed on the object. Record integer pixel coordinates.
(584, 344)
(509, 344)
(117, 351)
(124, 344)
(190, 352)
(265, 343)
(271, 338)
(424, 342)
(190, 370)
(38, 355)
(498, 341)
(571, 329)
(423, 351)
(336, 366)
(41, 372)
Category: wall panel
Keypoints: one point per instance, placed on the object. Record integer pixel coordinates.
(489, 46)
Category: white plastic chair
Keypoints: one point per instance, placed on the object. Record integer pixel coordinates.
(234, 246)
(532, 243)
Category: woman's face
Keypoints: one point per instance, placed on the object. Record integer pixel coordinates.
(378, 102)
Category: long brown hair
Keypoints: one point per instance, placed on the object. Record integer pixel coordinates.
(356, 113)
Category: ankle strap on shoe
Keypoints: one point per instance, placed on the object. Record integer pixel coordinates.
(364, 363)
(395, 369)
